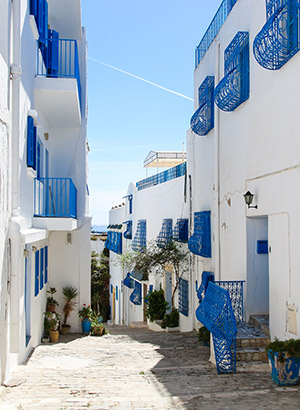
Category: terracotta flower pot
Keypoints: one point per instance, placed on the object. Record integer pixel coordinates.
(54, 334)
(99, 331)
(65, 329)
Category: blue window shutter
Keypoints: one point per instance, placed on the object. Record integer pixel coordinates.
(38, 160)
(53, 52)
(117, 293)
(46, 264)
(42, 269)
(37, 272)
(34, 7)
(40, 21)
(31, 142)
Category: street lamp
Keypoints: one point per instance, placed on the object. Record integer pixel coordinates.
(248, 199)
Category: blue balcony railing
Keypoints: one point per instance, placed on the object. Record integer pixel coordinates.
(213, 29)
(164, 176)
(236, 293)
(58, 59)
(55, 197)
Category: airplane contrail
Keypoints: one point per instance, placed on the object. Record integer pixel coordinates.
(140, 78)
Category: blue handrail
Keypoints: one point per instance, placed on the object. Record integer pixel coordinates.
(66, 54)
(55, 197)
(164, 176)
(213, 29)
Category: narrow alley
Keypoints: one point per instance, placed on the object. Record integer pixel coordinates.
(137, 369)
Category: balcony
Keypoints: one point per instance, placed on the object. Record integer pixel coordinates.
(213, 29)
(57, 83)
(164, 176)
(55, 204)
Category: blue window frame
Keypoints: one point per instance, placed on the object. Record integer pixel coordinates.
(200, 242)
(165, 234)
(278, 40)
(39, 9)
(233, 89)
(130, 199)
(183, 297)
(41, 268)
(31, 143)
(37, 273)
(203, 119)
(139, 241)
(46, 264)
(117, 293)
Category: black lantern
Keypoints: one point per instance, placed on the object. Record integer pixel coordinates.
(248, 199)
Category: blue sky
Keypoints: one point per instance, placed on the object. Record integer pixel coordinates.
(154, 40)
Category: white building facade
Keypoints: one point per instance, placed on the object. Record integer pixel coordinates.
(45, 227)
(244, 137)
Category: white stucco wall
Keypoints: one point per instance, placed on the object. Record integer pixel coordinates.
(253, 148)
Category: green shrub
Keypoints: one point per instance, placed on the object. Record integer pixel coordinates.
(291, 346)
(156, 305)
(171, 319)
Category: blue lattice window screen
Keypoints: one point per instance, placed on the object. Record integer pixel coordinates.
(139, 241)
(200, 242)
(278, 40)
(183, 296)
(206, 277)
(180, 232)
(203, 119)
(128, 232)
(114, 242)
(136, 296)
(233, 89)
(216, 314)
(165, 234)
(128, 281)
(235, 289)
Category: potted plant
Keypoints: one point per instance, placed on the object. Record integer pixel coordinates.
(46, 335)
(204, 336)
(97, 326)
(51, 302)
(156, 305)
(284, 358)
(86, 315)
(171, 319)
(69, 293)
(53, 320)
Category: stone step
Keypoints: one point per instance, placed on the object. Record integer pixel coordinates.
(255, 342)
(260, 322)
(251, 354)
(138, 325)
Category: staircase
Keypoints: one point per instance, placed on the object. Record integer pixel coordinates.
(252, 339)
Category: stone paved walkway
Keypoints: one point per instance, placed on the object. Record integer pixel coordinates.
(138, 369)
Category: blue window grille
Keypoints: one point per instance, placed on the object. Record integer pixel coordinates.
(55, 197)
(130, 199)
(139, 241)
(117, 293)
(165, 234)
(31, 143)
(111, 288)
(206, 277)
(216, 314)
(168, 175)
(41, 268)
(37, 274)
(233, 89)
(200, 242)
(180, 232)
(213, 29)
(183, 296)
(235, 289)
(128, 281)
(46, 264)
(61, 61)
(136, 296)
(128, 232)
(262, 247)
(114, 242)
(203, 119)
(278, 40)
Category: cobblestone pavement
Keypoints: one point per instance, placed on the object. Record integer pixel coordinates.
(138, 369)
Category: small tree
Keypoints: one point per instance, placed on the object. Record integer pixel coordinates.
(70, 293)
(100, 283)
(155, 259)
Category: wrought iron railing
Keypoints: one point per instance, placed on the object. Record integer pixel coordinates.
(213, 29)
(164, 176)
(55, 197)
(58, 58)
(236, 293)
